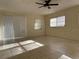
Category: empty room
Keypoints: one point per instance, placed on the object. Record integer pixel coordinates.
(39, 29)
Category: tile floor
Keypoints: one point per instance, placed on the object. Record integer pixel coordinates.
(41, 48)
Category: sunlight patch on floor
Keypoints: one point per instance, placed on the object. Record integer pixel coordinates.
(26, 42)
(10, 50)
(17, 50)
(32, 46)
(8, 46)
(64, 57)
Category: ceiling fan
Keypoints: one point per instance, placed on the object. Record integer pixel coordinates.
(47, 4)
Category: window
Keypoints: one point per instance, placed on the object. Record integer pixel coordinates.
(57, 22)
(37, 24)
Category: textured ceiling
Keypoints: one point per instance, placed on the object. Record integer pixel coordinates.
(29, 6)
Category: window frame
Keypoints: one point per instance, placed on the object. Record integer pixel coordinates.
(56, 22)
(37, 24)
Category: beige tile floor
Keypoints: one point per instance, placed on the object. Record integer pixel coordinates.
(41, 48)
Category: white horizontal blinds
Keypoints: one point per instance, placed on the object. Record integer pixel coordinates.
(57, 22)
(12, 27)
(53, 22)
(19, 26)
(37, 24)
(8, 28)
(1, 30)
(60, 21)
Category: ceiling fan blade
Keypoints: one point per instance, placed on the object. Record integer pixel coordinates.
(53, 4)
(39, 3)
(41, 6)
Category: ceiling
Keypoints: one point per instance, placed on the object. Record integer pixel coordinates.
(29, 6)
